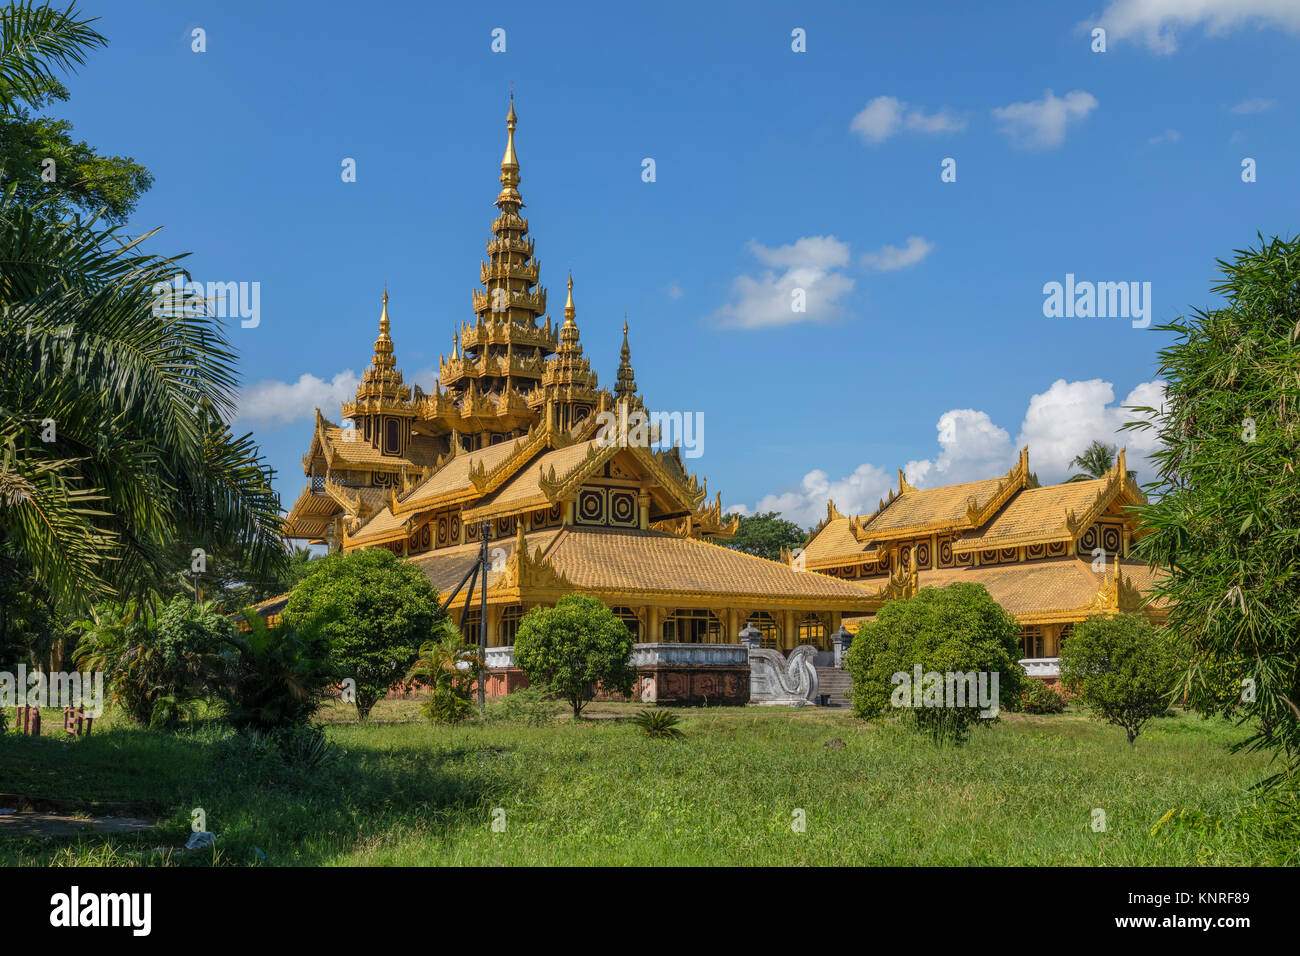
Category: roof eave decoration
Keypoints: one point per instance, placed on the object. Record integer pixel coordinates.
(685, 488)
(903, 581)
(530, 572)
(859, 526)
(831, 514)
(1015, 480)
(968, 545)
(410, 502)
(354, 532)
(1118, 486)
(1117, 593)
(320, 441)
(558, 487)
(706, 522)
(485, 482)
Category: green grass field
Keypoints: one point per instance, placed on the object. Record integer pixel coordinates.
(597, 791)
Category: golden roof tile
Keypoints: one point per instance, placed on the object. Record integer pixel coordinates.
(526, 488)
(446, 567)
(1056, 588)
(453, 480)
(1034, 515)
(652, 562)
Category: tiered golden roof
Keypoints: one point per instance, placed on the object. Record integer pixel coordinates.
(505, 351)
(381, 389)
(568, 383)
(510, 443)
(1051, 555)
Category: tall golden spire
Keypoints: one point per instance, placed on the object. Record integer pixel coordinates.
(510, 162)
(625, 387)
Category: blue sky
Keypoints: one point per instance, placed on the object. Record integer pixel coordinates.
(924, 344)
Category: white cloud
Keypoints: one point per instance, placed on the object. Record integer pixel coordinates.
(810, 251)
(1156, 22)
(853, 494)
(879, 119)
(889, 258)
(1168, 136)
(1058, 424)
(424, 377)
(1255, 104)
(1063, 420)
(885, 116)
(675, 291)
(1041, 124)
(971, 447)
(273, 403)
(808, 265)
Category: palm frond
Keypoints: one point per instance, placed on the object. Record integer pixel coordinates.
(36, 41)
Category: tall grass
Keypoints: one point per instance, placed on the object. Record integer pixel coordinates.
(732, 791)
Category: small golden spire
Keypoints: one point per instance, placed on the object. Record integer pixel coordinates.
(625, 385)
(384, 344)
(569, 330)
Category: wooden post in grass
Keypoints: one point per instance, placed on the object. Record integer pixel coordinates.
(482, 619)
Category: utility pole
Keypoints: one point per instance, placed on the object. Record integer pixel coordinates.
(478, 572)
(482, 618)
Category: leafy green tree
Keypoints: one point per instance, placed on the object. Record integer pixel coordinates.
(40, 160)
(230, 583)
(574, 647)
(1096, 460)
(1122, 668)
(44, 163)
(449, 668)
(275, 677)
(1224, 517)
(156, 666)
(959, 629)
(764, 535)
(375, 611)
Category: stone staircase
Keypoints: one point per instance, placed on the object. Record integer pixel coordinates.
(836, 682)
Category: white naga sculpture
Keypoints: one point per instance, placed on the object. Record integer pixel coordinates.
(776, 679)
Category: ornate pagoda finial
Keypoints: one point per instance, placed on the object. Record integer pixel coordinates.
(384, 344)
(625, 386)
(569, 330)
(510, 161)
(381, 390)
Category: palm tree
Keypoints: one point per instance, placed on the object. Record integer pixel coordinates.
(113, 442)
(112, 416)
(1097, 459)
(449, 667)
